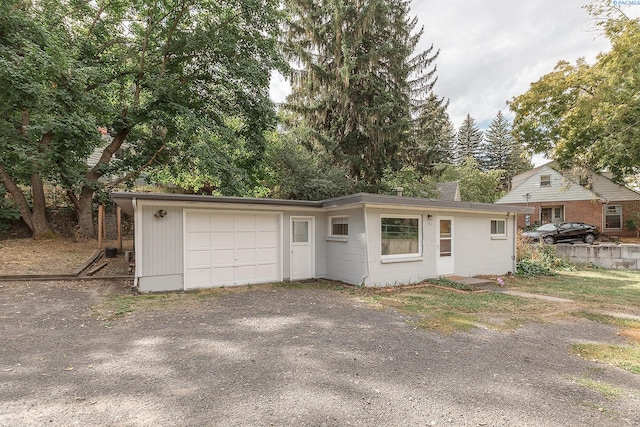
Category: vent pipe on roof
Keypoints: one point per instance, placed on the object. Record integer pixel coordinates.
(398, 191)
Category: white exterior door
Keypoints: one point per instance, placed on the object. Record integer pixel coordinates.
(302, 244)
(445, 246)
(230, 249)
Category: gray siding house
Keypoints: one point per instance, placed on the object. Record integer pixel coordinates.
(189, 241)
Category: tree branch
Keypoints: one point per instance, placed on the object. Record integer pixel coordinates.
(137, 171)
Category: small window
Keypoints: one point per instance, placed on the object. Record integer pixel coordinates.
(545, 180)
(498, 227)
(400, 236)
(339, 226)
(613, 216)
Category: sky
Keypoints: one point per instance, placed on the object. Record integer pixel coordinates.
(492, 50)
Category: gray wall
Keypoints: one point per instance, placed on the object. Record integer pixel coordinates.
(624, 256)
(346, 258)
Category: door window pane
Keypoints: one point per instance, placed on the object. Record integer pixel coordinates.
(300, 231)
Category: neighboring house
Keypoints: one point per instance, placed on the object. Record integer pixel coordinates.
(559, 196)
(192, 241)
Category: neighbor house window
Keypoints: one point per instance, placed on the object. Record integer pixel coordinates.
(400, 236)
(545, 180)
(339, 226)
(613, 216)
(498, 227)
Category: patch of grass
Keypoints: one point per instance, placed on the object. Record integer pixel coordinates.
(118, 306)
(609, 391)
(446, 311)
(625, 357)
(600, 289)
(447, 322)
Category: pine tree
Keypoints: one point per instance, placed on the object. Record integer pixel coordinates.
(356, 79)
(502, 151)
(469, 141)
(433, 137)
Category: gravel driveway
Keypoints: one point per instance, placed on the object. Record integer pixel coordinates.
(288, 357)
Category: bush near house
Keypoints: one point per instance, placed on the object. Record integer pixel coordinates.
(538, 259)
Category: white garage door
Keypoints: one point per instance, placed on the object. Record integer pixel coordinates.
(230, 249)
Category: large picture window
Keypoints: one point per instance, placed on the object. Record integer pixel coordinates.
(613, 216)
(400, 236)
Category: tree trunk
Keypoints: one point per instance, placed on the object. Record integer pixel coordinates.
(85, 229)
(39, 223)
(36, 220)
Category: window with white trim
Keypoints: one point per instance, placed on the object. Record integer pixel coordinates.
(613, 217)
(400, 236)
(498, 227)
(545, 180)
(338, 226)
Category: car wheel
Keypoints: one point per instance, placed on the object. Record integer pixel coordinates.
(549, 240)
(589, 238)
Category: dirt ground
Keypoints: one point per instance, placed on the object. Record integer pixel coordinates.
(56, 256)
(74, 353)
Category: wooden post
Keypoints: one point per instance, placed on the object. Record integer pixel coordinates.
(119, 226)
(100, 225)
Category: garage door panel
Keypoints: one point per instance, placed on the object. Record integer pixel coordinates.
(222, 258)
(222, 239)
(238, 248)
(221, 222)
(266, 272)
(223, 276)
(266, 239)
(267, 256)
(245, 239)
(266, 223)
(245, 222)
(245, 256)
(199, 259)
(198, 240)
(199, 222)
(199, 277)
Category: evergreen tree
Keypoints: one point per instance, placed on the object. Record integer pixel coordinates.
(433, 137)
(502, 151)
(356, 79)
(469, 142)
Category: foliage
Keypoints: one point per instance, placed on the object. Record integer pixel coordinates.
(296, 172)
(475, 185)
(176, 85)
(469, 142)
(433, 136)
(502, 151)
(413, 183)
(538, 259)
(588, 114)
(8, 211)
(357, 76)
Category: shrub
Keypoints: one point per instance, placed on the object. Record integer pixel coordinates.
(538, 259)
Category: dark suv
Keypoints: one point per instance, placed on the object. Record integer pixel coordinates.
(563, 231)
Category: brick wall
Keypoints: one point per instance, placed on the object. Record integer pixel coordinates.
(591, 212)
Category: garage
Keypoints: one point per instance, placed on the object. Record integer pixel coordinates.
(231, 248)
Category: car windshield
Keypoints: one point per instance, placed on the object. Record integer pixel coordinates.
(547, 227)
